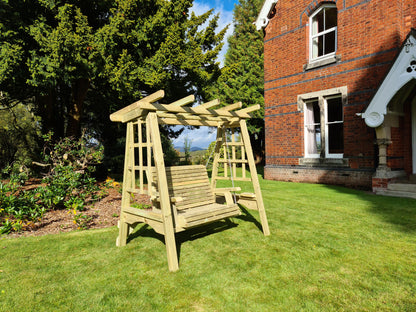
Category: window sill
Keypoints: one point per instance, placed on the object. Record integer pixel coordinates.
(324, 162)
(330, 60)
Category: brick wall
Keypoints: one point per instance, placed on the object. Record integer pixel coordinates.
(370, 33)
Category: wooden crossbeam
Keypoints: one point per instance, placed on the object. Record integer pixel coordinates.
(187, 116)
(249, 109)
(191, 122)
(243, 113)
(232, 106)
(117, 116)
(210, 104)
(184, 101)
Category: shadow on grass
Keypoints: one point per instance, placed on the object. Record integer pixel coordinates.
(247, 216)
(398, 211)
(197, 232)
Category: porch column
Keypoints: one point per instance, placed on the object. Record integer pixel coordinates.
(383, 134)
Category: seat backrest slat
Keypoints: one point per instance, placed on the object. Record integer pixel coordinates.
(189, 182)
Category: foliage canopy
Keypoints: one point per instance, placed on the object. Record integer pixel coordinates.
(241, 78)
(78, 61)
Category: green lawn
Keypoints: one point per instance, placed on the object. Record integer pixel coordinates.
(330, 249)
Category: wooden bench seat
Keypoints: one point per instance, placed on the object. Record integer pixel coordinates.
(193, 201)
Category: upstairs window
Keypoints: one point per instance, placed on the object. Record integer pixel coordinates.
(323, 32)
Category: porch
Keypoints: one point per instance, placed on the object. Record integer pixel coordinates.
(392, 113)
(401, 187)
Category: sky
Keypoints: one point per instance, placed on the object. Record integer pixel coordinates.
(202, 137)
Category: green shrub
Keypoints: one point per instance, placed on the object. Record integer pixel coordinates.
(20, 208)
(67, 184)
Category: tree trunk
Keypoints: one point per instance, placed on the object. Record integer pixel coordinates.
(48, 111)
(79, 91)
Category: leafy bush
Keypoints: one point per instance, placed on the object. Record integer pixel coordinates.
(19, 208)
(67, 184)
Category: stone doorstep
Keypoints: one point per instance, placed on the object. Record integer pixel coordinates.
(399, 188)
(402, 187)
(396, 193)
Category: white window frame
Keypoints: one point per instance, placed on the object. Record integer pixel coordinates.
(327, 154)
(322, 97)
(306, 124)
(313, 36)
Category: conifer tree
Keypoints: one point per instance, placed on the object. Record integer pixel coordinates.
(242, 75)
(81, 58)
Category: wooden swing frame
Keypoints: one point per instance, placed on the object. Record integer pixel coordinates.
(145, 157)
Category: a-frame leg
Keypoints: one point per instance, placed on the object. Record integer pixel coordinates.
(217, 150)
(254, 177)
(128, 182)
(167, 217)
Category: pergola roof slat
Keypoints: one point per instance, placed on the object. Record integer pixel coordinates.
(177, 110)
(249, 109)
(232, 106)
(117, 116)
(210, 104)
(184, 101)
(191, 122)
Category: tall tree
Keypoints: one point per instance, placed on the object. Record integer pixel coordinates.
(242, 75)
(79, 59)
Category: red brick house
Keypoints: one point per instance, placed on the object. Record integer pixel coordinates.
(340, 91)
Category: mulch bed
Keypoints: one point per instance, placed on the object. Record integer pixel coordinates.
(104, 213)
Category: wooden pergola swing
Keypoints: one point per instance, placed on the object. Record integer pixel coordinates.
(182, 196)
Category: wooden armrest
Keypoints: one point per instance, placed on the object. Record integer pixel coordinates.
(247, 195)
(172, 199)
(226, 190)
(176, 199)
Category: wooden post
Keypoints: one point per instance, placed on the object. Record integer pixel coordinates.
(149, 160)
(234, 173)
(254, 178)
(170, 242)
(224, 144)
(141, 169)
(218, 144)
(127, 182)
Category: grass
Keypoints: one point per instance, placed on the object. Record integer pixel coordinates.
(330, 249)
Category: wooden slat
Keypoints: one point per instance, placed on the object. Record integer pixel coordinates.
(134, 191)
(212, 211)
(249, 109)
(232, 106)
(243, 113)
(174, 184)
(201, 123)
(235, 179)
(233, 161)
(201, 203)
(118, 115)
(184, 101)
(186, 117)
(210, 104)
(144, 213)
(235, 143)
(202, 186)
(215, 215)
(188, 225)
